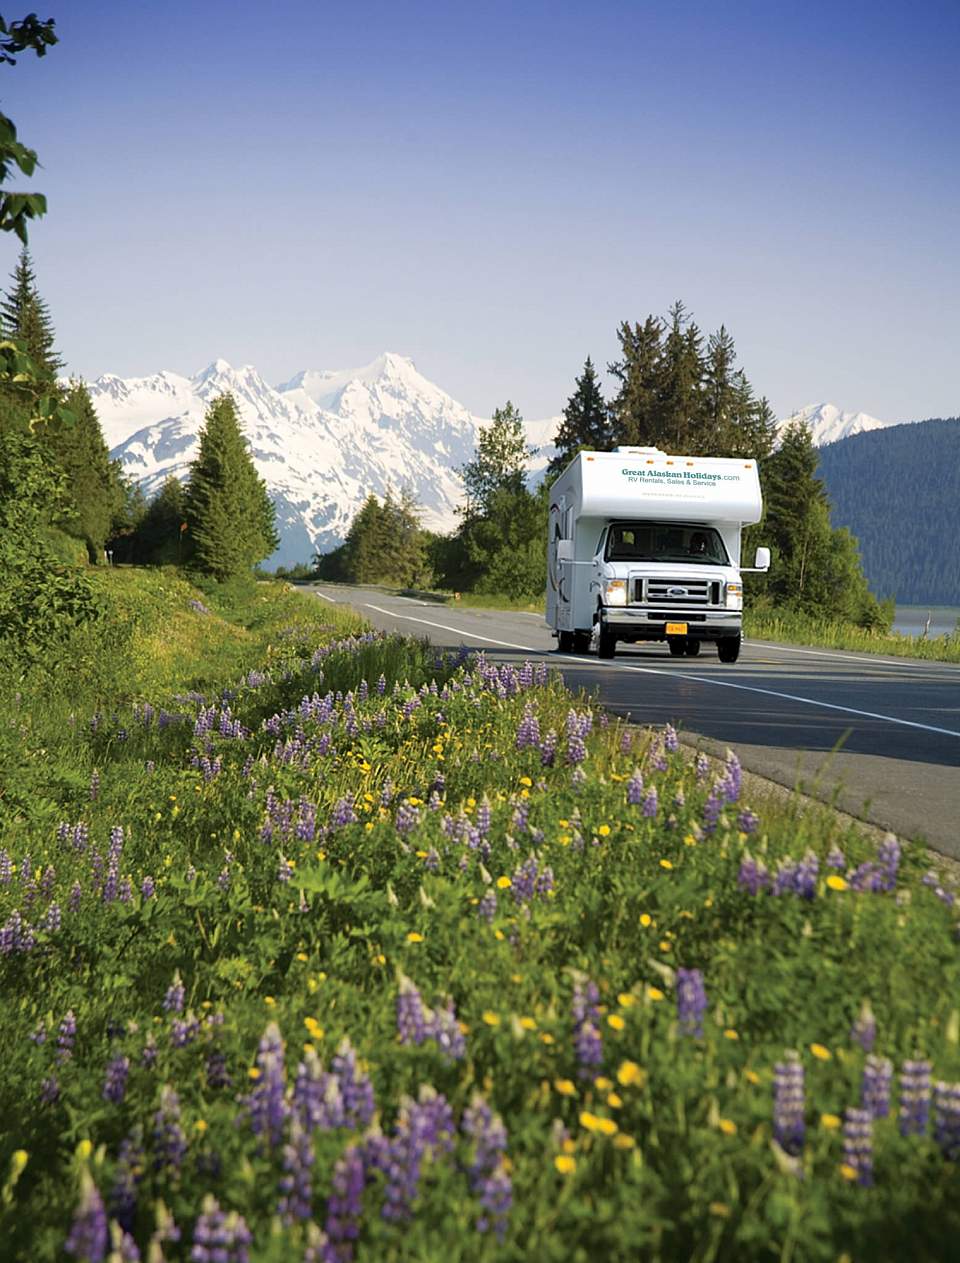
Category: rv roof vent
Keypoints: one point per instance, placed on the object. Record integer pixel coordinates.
(639, 451)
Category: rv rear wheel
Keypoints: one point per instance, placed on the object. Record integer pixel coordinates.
(565, 641)
(728, 649)
(581, 642)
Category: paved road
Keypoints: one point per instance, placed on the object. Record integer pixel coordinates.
(879, 736)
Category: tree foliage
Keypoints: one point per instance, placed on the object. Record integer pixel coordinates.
(385, 544)
(28, 34)
(586, 421)
(231, 521)
(24, 317)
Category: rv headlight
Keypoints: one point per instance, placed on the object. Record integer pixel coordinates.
(615, 591)
(734, 596)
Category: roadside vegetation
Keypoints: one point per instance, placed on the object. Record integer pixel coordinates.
(798, 629)
(317, 945)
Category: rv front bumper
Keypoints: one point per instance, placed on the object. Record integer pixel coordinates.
(639, 624)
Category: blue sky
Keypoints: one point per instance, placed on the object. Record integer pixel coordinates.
(492, 188)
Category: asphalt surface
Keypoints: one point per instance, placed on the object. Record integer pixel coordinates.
(879, 737)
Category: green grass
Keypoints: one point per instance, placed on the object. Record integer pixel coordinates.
(799, 629)
(307, 869)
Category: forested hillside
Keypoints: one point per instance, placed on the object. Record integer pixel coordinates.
(898, 491)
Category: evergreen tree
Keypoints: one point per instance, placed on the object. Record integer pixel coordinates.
(94, 483)
(634, 411)
(159, 536)
(586, 421)
(231, 520)
(24, 317)
(679, 385)
(499, 461)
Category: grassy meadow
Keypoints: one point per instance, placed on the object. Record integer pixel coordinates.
(316, 945)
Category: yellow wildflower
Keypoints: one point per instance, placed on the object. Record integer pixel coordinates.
(200, 1125)
(821, 1052)
(491, 1018)
(836, 882)
(614, 1100)
(414, 937)
(565, 1164)
(84, 1149)
(720, 1209)
(616, 1022)
(565, 1087)
(547, 1038)
(666, 864)
(654, 993)
(830, 1121)
(528, 1024)
(302, 956)
(728, 1126)
(525, 780)
(847, 1171)
(254, 1072)
(730, 1033)
(751, 1076)
(602, 1083)
(646, 920)
(625, 999)
(604, 830)
(504, 882)
(622, 1141)
(629, 1073)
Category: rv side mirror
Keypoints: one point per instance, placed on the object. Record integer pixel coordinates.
(762, 559)
(564, 550)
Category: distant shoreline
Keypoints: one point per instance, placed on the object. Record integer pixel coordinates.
(910, 620)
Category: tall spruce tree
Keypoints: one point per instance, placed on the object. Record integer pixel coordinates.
(94, 483)
(231, 520)
(499, 461)
(634, 410)
(586, 421)
(25, 318)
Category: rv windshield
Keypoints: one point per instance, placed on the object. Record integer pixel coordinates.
(665, 541)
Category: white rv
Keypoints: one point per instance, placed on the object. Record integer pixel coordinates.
(646, 546)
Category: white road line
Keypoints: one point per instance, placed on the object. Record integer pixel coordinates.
(698, 679)
(323, 596)
(865, 659)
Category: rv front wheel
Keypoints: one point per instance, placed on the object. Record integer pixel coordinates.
(728, 649)
(678, 646)
(606, 642)
(693, 647)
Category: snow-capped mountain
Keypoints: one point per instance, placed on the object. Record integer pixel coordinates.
(828, 423)
(323, 441)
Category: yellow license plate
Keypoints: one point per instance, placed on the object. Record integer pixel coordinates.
(676, 629)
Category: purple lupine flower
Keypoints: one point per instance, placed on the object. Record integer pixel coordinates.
(484, 816)
(586, 1026)
(6, 869)
(789, 1127)
(284, 869)
(805, 876)
(576, 750)
(316, 1098)
(411, 1019)
(528, 730)
(53, 919)
(650, 803)
(345, 1205)
(733, 777)
(691, 1001)
(296, 1187)
(343, 813)
(888, 859)
(524, 880)
(747, 822)
(386, 793)
(444, 1027)
(626, 741)
(858, 1144)
(125, 890)
(76, 894)
(836, 857)
(148, 1054)
(946, 1119)
(487, 1172)
(66, 1036)
(39, 1034)
(184, 1031)
(407, 818)
(169, 1142)
(701, 767)
(864, 1029)
(266, 1103)
(753, 876)
(635, 789)
(306, 820)
(147, 888)
(521, 816)
(671, 742)
(220, 1237)
(548, 749)
(176, 994)
(87, 1240)
(47, 881)
(94, 785)
(81, 836)
(216, 1072)
(487, 907)
(713, 807)
(115, 1080)
(914, 1097)
(50, 1090)
(656, 757)
(424, 1128)
(128, 1174)
(875, 1086)
(355, 1086)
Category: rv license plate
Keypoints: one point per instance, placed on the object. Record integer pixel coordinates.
(676, 629)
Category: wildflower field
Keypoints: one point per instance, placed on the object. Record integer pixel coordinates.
(317, 946)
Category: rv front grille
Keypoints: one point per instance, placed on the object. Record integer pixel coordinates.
(676, 592)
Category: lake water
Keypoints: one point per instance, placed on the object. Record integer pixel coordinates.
(910, 620)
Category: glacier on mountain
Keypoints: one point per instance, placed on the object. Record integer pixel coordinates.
(322, 441)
